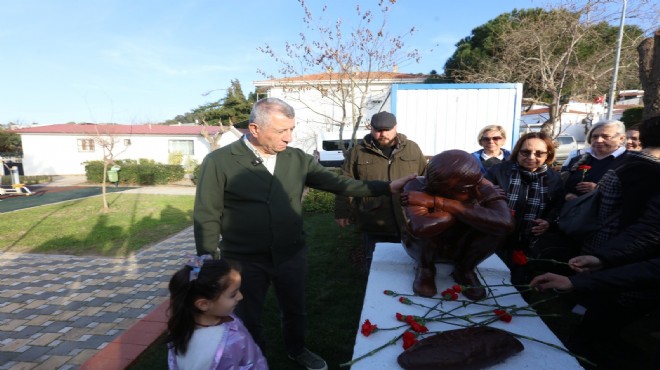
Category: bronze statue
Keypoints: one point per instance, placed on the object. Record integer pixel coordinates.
(453, 215)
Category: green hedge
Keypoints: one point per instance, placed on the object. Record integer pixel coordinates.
(140, 172)
(317, 201)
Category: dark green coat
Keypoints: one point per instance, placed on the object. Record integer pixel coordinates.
(381, 215)
(259, 215)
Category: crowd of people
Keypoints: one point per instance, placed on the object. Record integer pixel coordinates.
(460, 206)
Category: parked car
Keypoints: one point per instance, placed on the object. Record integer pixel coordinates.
(567, 144)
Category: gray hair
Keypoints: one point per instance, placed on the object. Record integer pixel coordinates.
(263, 109)
(620, 127)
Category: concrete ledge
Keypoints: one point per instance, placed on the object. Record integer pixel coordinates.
(126, 348)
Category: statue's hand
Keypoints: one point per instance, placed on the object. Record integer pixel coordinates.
(500, 191)
(417, 198)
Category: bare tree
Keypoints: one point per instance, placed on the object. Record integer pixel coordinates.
(649, 74)
(108, 143)
(341, 64)
(214, 138)
(558, 54)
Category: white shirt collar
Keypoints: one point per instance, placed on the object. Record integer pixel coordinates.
(486, 156)
(620, 150)
(269, 161)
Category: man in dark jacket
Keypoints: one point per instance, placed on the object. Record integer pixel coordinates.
(248, 208)
(617, 275)
(384, 154)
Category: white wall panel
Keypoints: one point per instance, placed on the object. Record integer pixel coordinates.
(449, 116)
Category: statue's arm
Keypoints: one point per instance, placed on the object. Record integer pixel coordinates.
(490, 214)
(422, 219)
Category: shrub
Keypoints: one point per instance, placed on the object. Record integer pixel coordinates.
(317, 201)
(140, 172)
(195, 173)
(175, 158)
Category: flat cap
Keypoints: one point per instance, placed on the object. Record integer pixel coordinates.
(383, 121)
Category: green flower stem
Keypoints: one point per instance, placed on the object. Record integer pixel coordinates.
(553, 346)
(548, 260)
(490, 319)
(393, 327)
(392, 341)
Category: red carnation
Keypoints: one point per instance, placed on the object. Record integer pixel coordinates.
(388, 292)
(503, 315)
(368, 328)
(449, 294)
(457, 288)
(405, 300)
(408, 340)
(399, 316)
(584, 168)
(519, 257)
(418, 327)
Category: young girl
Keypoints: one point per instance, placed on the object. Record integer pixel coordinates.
(204, 334)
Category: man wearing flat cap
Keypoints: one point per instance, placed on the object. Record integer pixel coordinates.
(386, 155)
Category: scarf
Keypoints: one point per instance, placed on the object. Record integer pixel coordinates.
(527, 197)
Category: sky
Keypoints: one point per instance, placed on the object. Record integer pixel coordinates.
(146, 61)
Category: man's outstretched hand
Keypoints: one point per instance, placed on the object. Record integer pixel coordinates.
(397, 185)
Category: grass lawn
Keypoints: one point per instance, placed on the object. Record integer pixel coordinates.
(335, 291)
(77, 227)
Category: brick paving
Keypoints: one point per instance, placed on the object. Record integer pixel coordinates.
(58, 311)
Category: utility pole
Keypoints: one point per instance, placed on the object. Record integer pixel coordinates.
(610, 99)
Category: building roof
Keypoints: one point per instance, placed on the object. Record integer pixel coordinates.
(106, 129)
(333, 77)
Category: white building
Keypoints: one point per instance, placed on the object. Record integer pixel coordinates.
(318, 112)
(63, 149)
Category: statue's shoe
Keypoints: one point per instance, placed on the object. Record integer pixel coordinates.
(474, 290)
(424, 284)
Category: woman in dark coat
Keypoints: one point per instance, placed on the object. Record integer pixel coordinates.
(534, 193)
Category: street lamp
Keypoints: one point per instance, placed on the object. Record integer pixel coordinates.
(610, 100)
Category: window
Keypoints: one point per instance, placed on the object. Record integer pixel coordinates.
(85, 145)
(181, 146)
(565, 140)
(331, 145)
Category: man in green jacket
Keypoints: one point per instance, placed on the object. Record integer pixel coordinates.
(248, 208)
(384, 154)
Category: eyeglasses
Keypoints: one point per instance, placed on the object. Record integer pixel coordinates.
(604, 137)
(528, 153)
(494, 138)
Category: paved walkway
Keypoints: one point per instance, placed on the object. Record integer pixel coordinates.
(57, 311)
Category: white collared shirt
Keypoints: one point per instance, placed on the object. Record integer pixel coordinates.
(486, 156)
(267, 161)
(620, 150)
